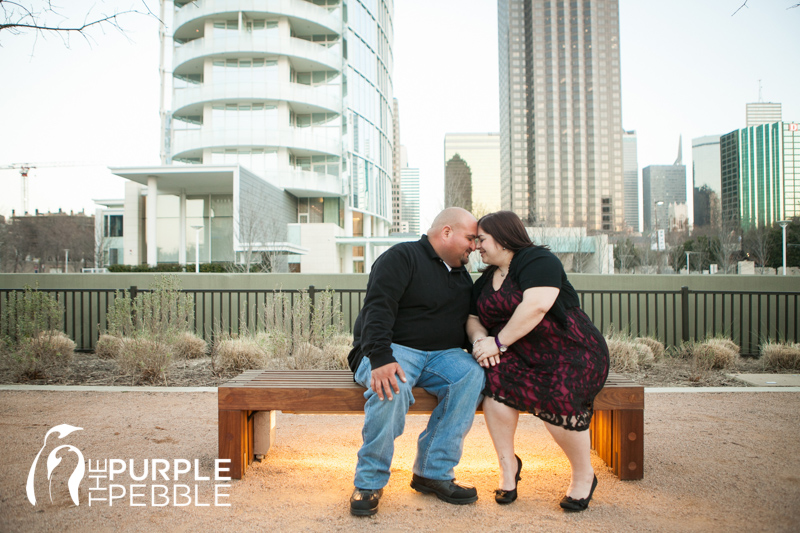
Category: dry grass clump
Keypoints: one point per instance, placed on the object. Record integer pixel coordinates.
(34, 356)
(145, 360)
(238, 353)
(655, 345)
(781, 356)
(306, 356)
(716, 352)
(108, 347)
(626, 354)
(187, 345)
(713, 353)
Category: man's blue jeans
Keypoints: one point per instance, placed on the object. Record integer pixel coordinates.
(455, 379)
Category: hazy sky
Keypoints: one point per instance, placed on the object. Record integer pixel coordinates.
(688, 68)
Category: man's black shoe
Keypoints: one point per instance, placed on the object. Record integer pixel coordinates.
(446, 490)
(365, 502)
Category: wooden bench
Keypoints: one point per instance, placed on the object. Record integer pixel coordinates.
(617, 426)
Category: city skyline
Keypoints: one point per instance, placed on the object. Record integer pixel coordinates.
(69, 121)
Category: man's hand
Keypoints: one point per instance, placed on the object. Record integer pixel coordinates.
(383, 379)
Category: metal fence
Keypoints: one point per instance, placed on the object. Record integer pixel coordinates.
(672, 316)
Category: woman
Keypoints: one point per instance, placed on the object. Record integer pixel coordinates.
(541, 353)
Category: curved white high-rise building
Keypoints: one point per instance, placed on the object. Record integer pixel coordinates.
(298, 93)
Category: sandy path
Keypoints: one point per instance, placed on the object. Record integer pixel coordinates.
(713, 462)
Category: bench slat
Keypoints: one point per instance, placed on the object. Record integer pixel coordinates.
(335, 391)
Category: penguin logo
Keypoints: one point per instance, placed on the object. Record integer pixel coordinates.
(53, 460)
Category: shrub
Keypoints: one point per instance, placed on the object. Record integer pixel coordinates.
(49, 349)
(781, 356)
(240, 353)
(145, 359)
(32, 344)
(28, 313)
(655, 345)
(726, 352)
(711, 353)
(627, 355)
(160, 319)
(189, 346)
(108, 347)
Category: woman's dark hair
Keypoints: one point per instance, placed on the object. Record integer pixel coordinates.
(506, 229)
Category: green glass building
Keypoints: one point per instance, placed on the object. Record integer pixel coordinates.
(760, 174)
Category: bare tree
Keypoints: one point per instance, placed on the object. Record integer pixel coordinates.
(756, 244)
(101, 246)
(626, 256)
(44, 18)
(259, 230)
(728, 242)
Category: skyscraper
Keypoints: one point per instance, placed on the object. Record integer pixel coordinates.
(706, 179)
(409, 190)
(560, 112)
(293, 101)
(763, 113)
(397, 213)
(481, 151)
(457, 183)
(706, 163)
(630, 169)
(761, 174)
(662, 186)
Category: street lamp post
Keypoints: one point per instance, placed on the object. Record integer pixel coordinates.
(688, 254)
(66, 261)
(197, 248)
(784, 224)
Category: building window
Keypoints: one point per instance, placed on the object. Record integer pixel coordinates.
(113, 226)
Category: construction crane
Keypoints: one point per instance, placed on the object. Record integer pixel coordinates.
(25, 168)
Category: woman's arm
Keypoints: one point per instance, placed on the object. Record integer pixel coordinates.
(475, 329)
(536, 302)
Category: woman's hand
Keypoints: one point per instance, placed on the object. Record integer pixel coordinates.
(485, 352)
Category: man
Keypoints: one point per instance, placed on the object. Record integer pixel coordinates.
(410, 333)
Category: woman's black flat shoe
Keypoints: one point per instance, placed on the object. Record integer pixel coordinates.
(571, 504)
(507, 496)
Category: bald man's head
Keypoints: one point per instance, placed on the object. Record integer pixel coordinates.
(452, 235)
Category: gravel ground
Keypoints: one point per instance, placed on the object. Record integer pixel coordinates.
(713, 462)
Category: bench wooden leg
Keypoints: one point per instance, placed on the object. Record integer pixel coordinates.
(236, 440)
(602, 442)
(629, 444)
(618, 439)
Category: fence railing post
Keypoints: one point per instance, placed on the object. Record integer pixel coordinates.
(311, 295)
(685, 313)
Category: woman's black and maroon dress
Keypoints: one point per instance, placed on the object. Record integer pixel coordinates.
(557, 369)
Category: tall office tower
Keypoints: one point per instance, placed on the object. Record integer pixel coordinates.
(763, 113)
(761, 174)
(560, 112)
(397, 213)
(294, 100)
(706, 179)
(457, 183)
(409, 190)
(630, 172)
(481, 151)
(706, 170)
(662, 187)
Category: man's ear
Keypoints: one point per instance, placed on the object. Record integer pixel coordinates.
(446, 231)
